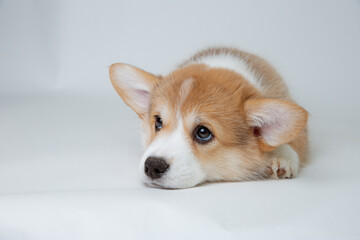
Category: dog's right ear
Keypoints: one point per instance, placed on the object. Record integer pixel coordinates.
(276, 121)
(133, 85)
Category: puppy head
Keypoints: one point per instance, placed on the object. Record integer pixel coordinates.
(202, 124)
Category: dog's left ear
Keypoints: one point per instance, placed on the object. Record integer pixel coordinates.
(274, 122)
(133, 85)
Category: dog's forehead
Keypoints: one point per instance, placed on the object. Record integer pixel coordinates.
(198, 89)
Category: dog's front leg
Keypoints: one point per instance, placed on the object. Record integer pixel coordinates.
(284, 162)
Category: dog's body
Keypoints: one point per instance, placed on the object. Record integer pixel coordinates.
(223, 115)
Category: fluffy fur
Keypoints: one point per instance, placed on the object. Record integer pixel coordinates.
(259, 131)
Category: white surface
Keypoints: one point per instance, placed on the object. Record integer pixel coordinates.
(69, 147)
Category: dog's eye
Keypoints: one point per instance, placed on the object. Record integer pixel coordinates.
(158, 123)
(203, 135)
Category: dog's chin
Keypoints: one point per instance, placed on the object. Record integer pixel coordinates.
(156, 185)
(163, 184)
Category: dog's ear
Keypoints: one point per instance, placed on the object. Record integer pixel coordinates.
(274, 122)
(133, 85)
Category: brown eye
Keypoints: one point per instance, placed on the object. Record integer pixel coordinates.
(158, 123)
(203, 135)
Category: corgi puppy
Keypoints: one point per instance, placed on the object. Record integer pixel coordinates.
(222, 115)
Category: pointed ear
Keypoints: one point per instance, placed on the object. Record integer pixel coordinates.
(133, 85)
(274, 122)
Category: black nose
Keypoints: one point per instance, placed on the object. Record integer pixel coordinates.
(155, 167)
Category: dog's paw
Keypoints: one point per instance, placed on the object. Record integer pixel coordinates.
(284, 163)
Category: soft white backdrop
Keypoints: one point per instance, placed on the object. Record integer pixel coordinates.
(69, 147)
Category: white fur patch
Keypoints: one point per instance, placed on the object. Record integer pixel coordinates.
(233, 63)
(285, 158)
(184, 170)
(185, 88)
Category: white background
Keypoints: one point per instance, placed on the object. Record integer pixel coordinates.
(69, 147)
